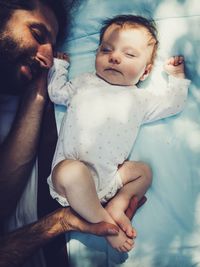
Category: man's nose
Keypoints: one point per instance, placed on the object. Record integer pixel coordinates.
(45, 55)
(115, 58)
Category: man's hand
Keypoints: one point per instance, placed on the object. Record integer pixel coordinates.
(71, 221)
(134, 205)
(175, 66)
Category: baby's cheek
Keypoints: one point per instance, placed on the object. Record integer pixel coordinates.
(133, 72)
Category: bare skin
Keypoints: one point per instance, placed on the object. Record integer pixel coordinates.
(19, 245)
(19, 149)
(24, 134)
(136, 178)
(71, 178)
(15, 167)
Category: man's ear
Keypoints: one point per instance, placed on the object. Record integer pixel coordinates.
(146, 72)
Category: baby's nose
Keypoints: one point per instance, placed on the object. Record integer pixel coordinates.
(115, 58)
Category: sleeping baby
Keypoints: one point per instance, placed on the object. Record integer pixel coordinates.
(105, 110)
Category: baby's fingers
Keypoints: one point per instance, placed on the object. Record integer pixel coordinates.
(175, 66)
(178, 60)
(175, 60)
(61, 55)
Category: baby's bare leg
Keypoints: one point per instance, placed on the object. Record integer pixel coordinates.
(136, 178)
(72, 179)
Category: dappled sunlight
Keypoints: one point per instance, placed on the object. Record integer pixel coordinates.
(175, 244)
(100, 120)
(197, 217)
(169, 34)
(171, 8)
(188, 132)
(97, 114)
(193, 239)
(192, 7)
(169, 224)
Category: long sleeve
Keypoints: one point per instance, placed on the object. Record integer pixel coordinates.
(59, 88)
(158, 104)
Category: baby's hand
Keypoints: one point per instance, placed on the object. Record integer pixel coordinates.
(175, 66)
(61, 55)
(44, 56)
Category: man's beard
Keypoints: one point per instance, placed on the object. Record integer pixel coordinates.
(12, 56)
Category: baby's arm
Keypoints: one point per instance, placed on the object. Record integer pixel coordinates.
(171, 100)
(175, 66)
(59, 88)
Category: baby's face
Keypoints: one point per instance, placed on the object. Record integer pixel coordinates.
(123, 56)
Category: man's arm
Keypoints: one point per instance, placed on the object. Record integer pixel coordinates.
(18, 151)
(19, 245)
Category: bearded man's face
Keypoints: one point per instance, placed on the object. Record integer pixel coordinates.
(12, 56)
(26, 47)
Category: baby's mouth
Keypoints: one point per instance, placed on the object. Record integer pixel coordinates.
(113, 70)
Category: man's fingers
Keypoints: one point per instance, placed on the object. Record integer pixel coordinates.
(103, 228)
(134, 204)
(72, 221)
(132, 207)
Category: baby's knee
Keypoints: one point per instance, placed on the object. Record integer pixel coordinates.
(68, 173)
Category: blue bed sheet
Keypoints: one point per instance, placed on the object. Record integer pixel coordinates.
(168, 225)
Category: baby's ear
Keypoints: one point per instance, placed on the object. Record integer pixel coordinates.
(146, 72)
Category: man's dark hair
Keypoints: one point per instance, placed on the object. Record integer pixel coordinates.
(133, 20)
(61, 9)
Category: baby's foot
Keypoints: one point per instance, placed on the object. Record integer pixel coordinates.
(122, 220)
(121, 242)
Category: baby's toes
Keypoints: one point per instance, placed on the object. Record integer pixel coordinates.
(127, 228)
(127, 246)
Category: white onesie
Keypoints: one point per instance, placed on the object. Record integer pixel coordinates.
(102, 120)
